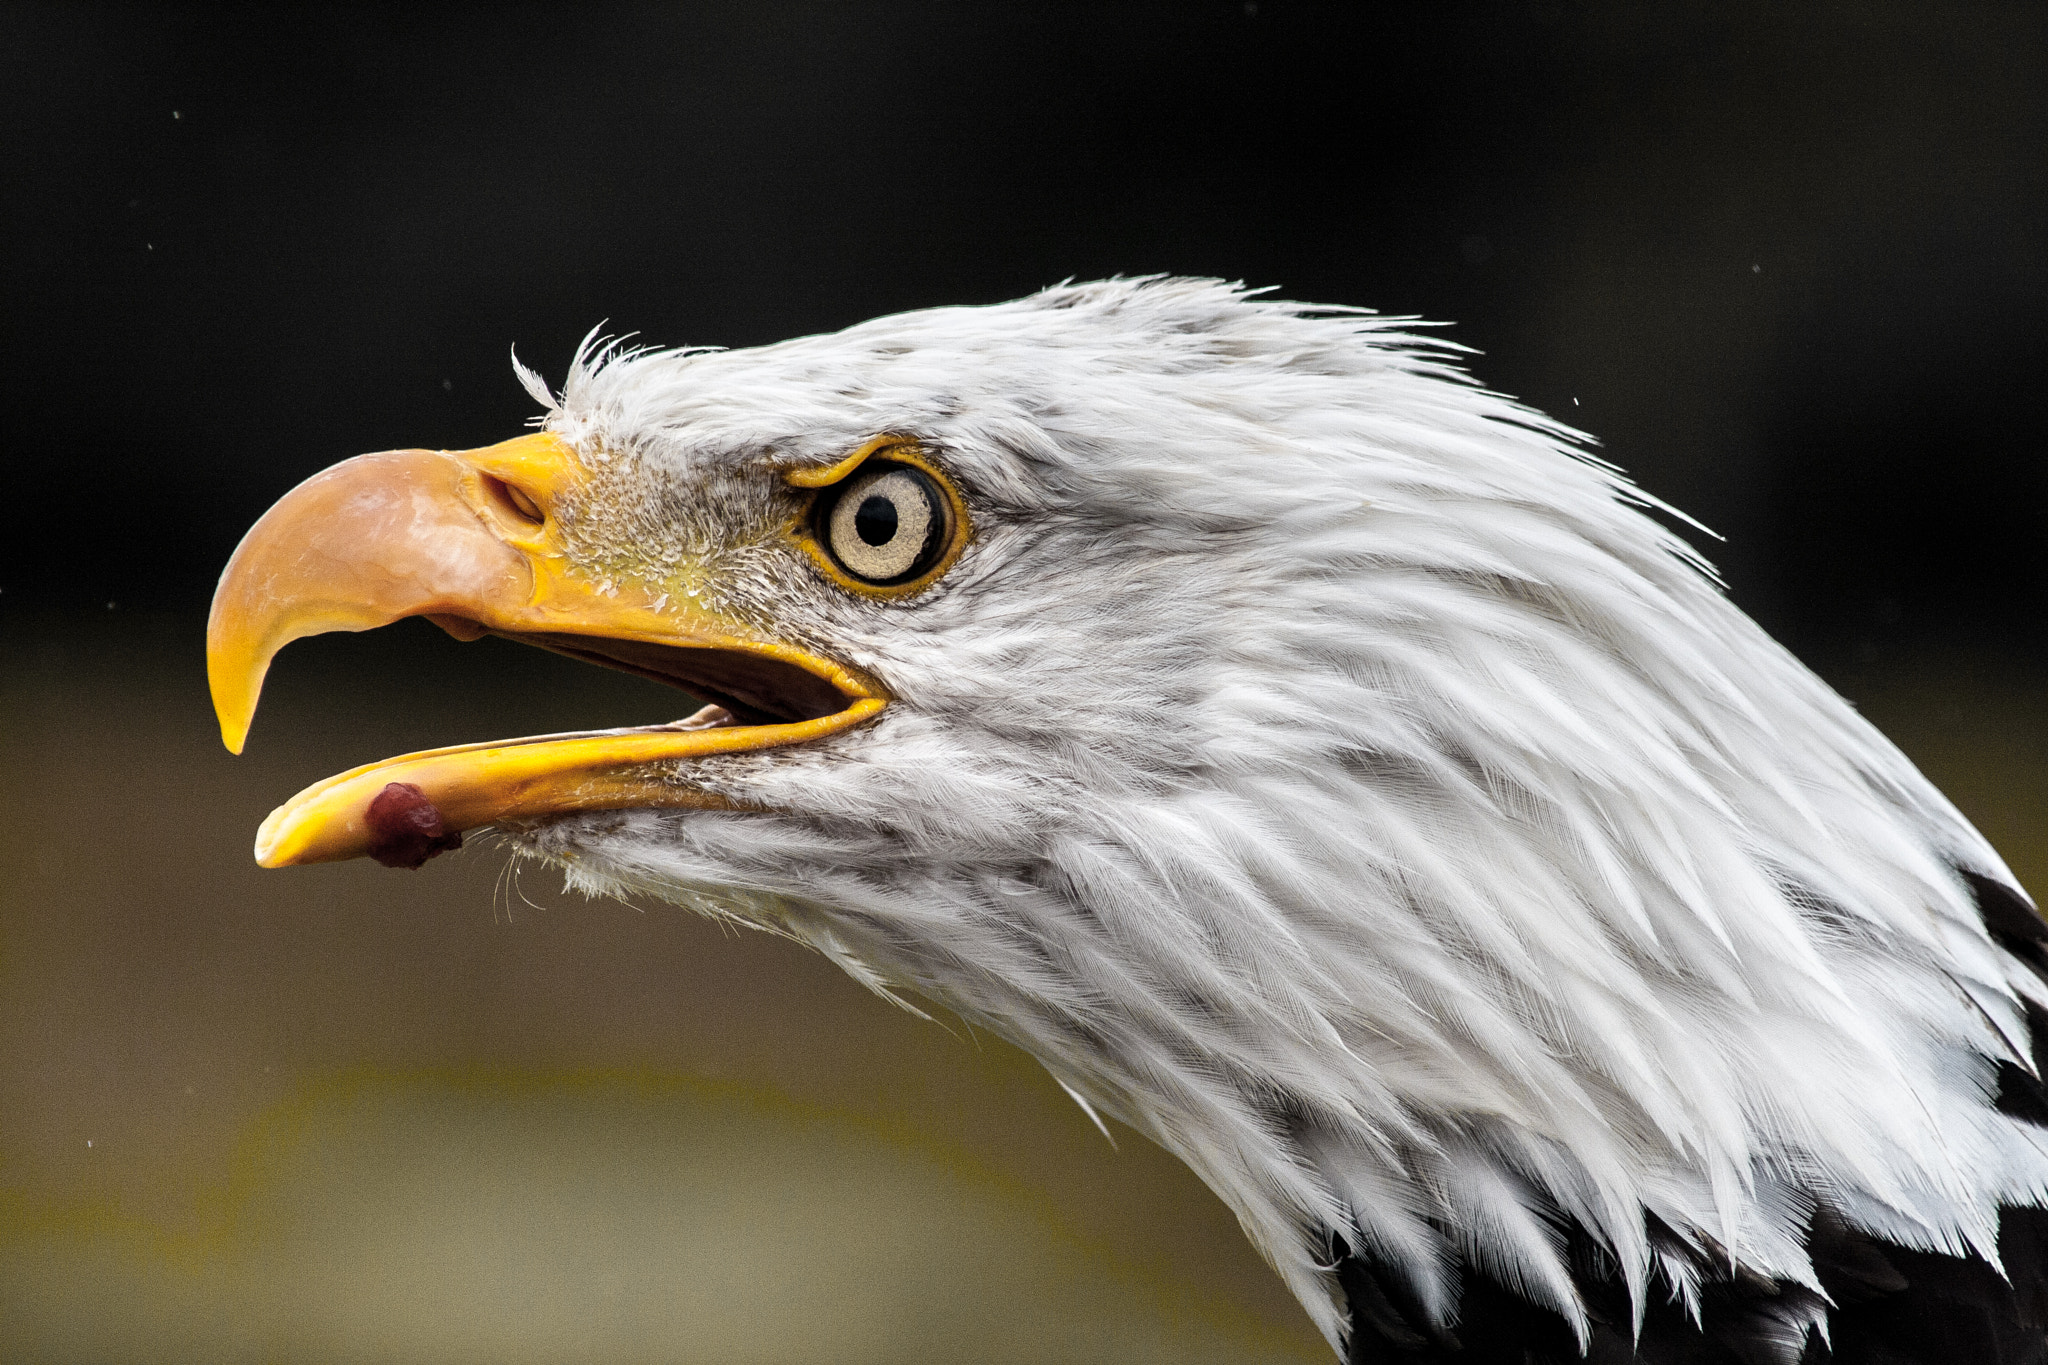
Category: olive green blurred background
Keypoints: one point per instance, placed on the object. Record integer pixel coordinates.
(1787, 262)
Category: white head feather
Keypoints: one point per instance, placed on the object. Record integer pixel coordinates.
(1327, 768)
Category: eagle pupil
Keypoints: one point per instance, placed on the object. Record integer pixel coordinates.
(875, 520)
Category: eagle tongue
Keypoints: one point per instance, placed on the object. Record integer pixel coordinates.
(408, 827)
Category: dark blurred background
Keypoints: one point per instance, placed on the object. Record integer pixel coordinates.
(1786, 262)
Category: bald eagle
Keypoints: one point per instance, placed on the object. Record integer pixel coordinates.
(1321, 764)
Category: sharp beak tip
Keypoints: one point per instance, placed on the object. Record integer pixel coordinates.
(234, 730)
(227, 685)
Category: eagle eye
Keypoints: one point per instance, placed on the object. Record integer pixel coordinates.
(886, 525)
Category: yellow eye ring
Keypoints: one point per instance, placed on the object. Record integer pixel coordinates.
(813, 527)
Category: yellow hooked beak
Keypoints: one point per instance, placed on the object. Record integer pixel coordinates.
(467, 539)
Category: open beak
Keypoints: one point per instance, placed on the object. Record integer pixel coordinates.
(469, 540)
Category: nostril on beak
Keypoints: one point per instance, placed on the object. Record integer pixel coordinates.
(514, 500)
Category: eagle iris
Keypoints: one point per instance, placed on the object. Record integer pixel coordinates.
(886, 524)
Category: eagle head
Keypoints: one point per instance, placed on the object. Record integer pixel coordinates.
(1323, 765)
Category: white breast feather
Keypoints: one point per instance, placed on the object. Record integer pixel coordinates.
(1328, 769)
